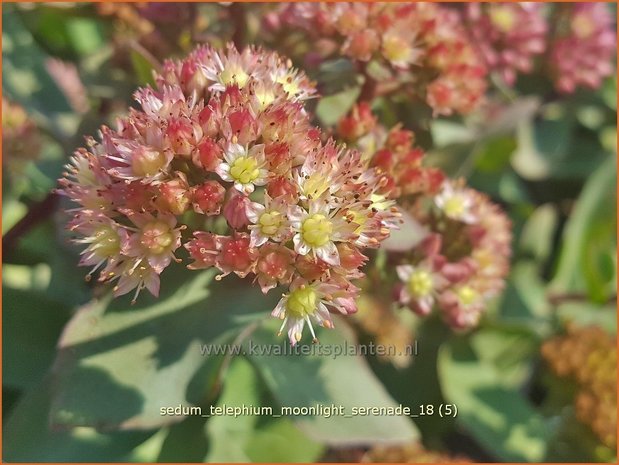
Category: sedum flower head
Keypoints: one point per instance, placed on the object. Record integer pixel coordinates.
(462, 262)
(221, 160)
(588, 356)
(21, 140)
(508, 35)
(582, 54)
(424, 46)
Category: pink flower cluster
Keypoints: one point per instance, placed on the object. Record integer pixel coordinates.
(425, 40)
(21, 139)
(508, 35)
(222, 160)
(463, 260)
(583, 53)
(392, 153)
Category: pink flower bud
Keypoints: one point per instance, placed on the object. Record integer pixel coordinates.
(282, 187)
(204, 249)
(243, 125)
(235, 209)
(208, 155)
(208, 197)
(236, 255)
(173, 196)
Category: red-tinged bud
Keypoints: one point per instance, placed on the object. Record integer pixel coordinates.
(274, 266)
(208, 198)
(204, 249)
(173, 196)
(431, 245)
(458, 272)
(208, 122)
(413, 157)
(192, 77)
(232, 96)
(271, 21)
(400, 139)
(236, 255)
(278, 157)
(275, 124)
(282, 187)
(434, 179)
(410, 180)
(354, 20)
(361, 45)
(134, 195)
(311, 268)
(208, 155)
(313, 134)
(384, 160)
(243, 126)
(350, 257)
(440, 97)
(235, 209)
(358, 123)
(181, 137)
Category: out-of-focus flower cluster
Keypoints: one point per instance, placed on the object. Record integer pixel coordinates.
(424, 45)
(508, 35)
(580, 47)
(588, 355)
(222, 160)
(462, 262)
(413, 452)
(583, 51)
(21, 140)
(463, 259)
(392, 153)
(443, 53)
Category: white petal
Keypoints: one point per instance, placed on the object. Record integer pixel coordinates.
(300, 247)
(328, 253)
(404, 272)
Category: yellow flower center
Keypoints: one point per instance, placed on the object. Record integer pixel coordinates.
(503, 18)
(148, 162)
(396, 49)
(289, 84)
(358, 218)
(420, 283)
(317, 230)
(454, 206)
(265, 97)
(583, 26)
(157, 237)
(244, 170)
(467, 295)
(270, 222)
(233, 75)
(302, 302)
(315, 185)
(106, 243)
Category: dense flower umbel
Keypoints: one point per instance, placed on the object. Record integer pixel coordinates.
(584, 50)
(224, 136)
(392, 153)
(21, 140)
(463, 260)
(508, 35)
(423, 45)
(588, 355)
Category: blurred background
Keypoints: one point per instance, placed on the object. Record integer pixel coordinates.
(84, 377)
